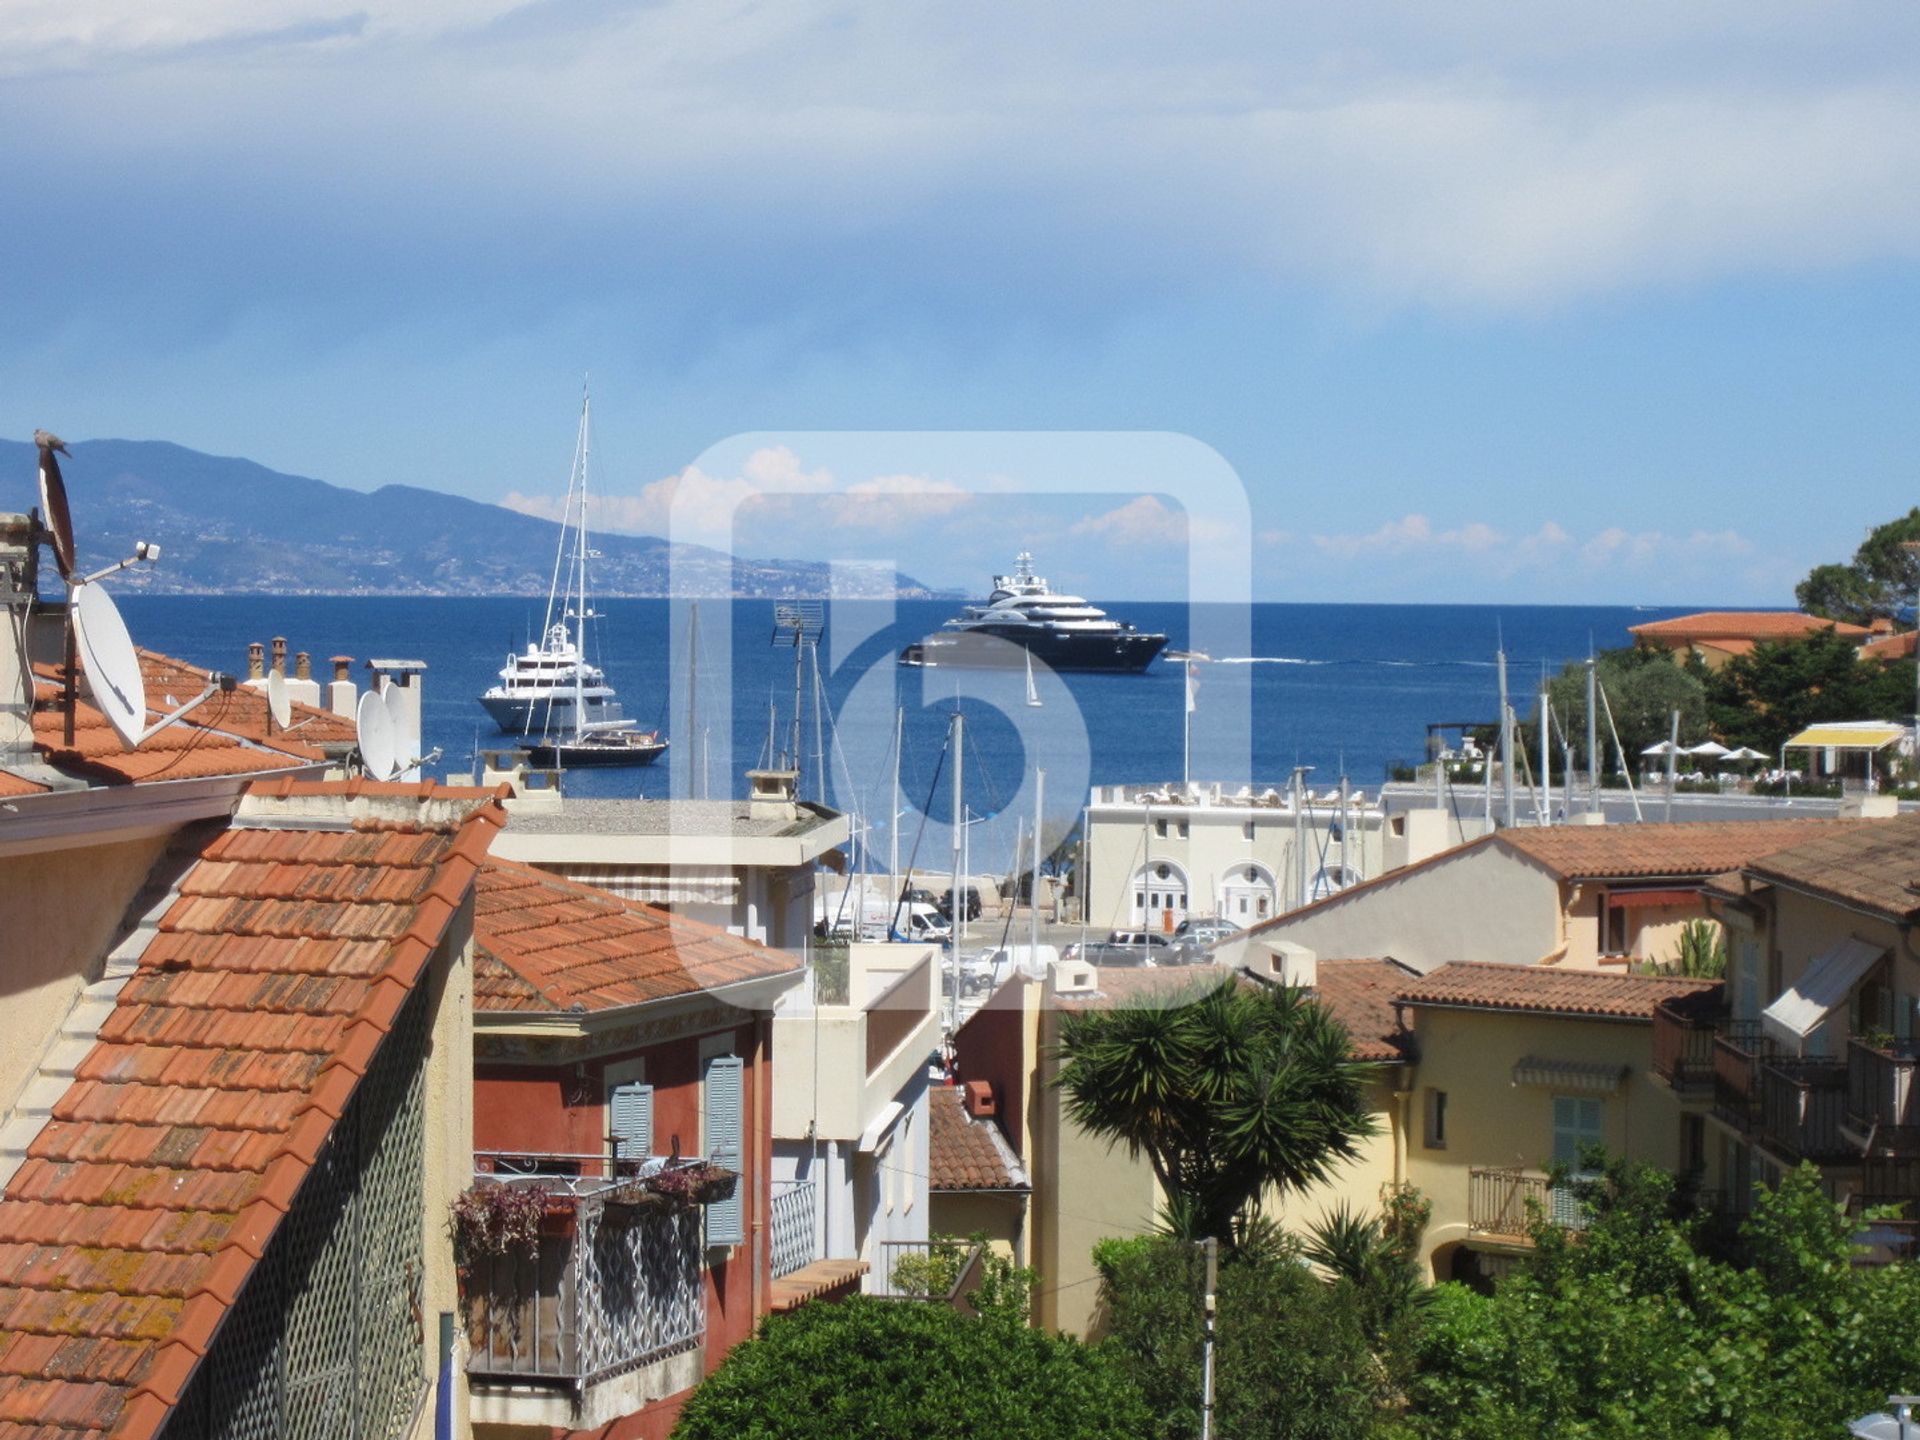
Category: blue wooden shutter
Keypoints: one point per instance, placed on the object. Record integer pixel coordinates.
(630, 1118)
(725, 1146)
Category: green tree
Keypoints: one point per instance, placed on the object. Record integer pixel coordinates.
(1643, 687)
(911, 1368)
(1650, 1325)
(1780, 687)
(1291, 1357)
(1230, 1089)
(1878, 582)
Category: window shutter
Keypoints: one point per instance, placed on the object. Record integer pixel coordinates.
(725, 1144)
(630, 1109)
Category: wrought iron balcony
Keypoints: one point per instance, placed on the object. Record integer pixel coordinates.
(1739, 1049)
(1502, 1204)
(1882, 1104)
(1802, 1105)
(613, 1280)
(1683, 1034)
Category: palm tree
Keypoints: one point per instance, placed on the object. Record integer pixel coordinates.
(1230, 1088)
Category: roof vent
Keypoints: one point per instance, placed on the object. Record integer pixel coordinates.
(1073, 977)
(771, 794)
(1293, 964)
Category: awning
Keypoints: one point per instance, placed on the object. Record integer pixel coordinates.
(1806, 1003)
(658, 884)
(1633, 899)
(881, 1126)
(1594, 1077)
(1846, 737)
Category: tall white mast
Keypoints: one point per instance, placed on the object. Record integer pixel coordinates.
(893, 825)
(1506, 740)
(957, 907)
(1033, 885)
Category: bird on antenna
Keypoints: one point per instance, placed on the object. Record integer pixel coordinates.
(47, 440)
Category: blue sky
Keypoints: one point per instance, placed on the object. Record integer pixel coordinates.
(1481, 302)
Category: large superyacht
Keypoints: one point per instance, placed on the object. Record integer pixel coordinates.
(1023, 616)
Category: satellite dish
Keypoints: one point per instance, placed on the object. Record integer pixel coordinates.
(396, 709)
(113, 669)
(377, 745)
(278, 705)
(53, 500)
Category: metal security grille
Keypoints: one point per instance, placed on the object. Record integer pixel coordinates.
(795, 1231)
(326, 1340)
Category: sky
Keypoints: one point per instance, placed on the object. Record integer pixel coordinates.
(1503, 303)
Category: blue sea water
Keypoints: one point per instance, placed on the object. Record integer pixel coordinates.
(1344, 688)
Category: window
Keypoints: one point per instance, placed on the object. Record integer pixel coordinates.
(1246, 830)
(721, 1087)
(1579, 1121)
(1183, 830)
(1436, 1119)
(1693, 1145)
(1613, 927)
(1160, 828)
(630, 1119)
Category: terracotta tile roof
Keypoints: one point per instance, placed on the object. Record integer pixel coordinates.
(1624, 852)
(964, 1153)
(1874, 864)
(1891, 647)
(548, 944)
(163, 1171)
(1360, 993)
(1740, 625)
(1141, 984)
(1549, 990)
(209, 741)
(244, 711)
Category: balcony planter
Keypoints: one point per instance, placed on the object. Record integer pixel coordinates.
(490, 1220)
(633, 1202)
(696, 1184)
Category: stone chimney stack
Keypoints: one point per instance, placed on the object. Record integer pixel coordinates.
(303, 666)
(280, 656)
(343, 695)
(256, 661)
(771, 794)
(302, 686)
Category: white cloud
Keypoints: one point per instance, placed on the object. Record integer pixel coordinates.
(1546, 550)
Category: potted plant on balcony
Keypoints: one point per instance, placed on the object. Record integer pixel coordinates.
(698, 1183)
(492, 1220)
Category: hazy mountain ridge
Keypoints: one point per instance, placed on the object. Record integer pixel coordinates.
(227, 525)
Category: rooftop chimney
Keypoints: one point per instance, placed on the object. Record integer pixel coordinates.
(980, 1100)
(343, 695)
(256, 661)
(1293, 964)
(280, 656)
(770, 795)
(302, 687)
(303, 666)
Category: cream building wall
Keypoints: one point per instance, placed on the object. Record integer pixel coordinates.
(1478, 902)
(1494, 1123)
(59, 911)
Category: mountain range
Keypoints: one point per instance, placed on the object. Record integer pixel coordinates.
(230, 526)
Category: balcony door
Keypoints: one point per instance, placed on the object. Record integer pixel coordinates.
(1579, 1124)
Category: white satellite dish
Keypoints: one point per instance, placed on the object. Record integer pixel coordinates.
(278, 704)
(377, 745)
(113, 669)
(396, 705)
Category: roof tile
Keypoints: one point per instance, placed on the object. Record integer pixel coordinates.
(1699, 848)
(1549, 990)
(189, 1126)
(1875, 865)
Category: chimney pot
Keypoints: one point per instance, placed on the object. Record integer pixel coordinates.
(280, 655)
(256, 661)
(303, 666)
(342, 667)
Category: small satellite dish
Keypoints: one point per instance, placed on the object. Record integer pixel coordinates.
(278, 705)
(377, 744)
(53, 500)
(113, 669)
(396, 709)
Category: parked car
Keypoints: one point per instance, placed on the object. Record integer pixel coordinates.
(1204, 932)
(970, 897)
(1130, 947)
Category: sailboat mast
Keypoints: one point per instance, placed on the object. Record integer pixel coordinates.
(893, 824)
(580, 537)
(696, 769)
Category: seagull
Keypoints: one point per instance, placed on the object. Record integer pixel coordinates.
(47, 440)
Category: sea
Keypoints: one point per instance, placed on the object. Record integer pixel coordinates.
(1349, 690)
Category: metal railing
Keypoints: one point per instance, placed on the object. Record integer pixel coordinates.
(795, 1229)
(1802, 1105)
(1502, 1204)
(613, 1280)
(1880, 1092)
(1683, 1045)
(1738, 1052)
(951, 1276)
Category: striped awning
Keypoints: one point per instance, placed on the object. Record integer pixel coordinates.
(657, 884)
(1593, 1077)
(1846, 737)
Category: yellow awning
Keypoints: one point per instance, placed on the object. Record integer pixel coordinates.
(1846, 737)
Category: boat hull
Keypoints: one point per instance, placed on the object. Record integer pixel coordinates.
(587, 754)
(532, 714)
(1128, 652)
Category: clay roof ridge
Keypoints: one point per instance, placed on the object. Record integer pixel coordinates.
(151, 1403)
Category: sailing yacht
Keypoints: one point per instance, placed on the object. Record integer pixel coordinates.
(551, 690)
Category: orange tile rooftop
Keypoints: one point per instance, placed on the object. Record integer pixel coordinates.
(551, 945)
(163, 1171)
